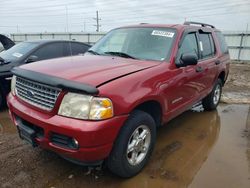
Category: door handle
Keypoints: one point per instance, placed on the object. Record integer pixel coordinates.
(217, 62)
(199, 69)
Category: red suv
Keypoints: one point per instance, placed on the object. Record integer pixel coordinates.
(105, 106)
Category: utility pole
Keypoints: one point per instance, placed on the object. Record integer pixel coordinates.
(97, 22)
(67, 19)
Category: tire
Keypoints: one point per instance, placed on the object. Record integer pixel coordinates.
(211, 101)
(126, 163)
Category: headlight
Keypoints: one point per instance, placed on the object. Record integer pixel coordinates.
(13, 85)
(86, 107)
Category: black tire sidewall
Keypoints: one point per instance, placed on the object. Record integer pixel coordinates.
(218, 83)
(208, 102)
(118, 156)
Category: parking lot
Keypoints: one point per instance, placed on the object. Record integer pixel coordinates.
(196, 149)
(200, 149)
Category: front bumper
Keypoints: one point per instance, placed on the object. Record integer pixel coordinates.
(95, 138)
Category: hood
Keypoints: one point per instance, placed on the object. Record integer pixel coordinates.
(90, 69)
(6, 42)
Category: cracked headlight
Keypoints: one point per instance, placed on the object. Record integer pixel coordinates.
(86, 107)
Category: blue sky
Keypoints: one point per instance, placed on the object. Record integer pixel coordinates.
(77, 15)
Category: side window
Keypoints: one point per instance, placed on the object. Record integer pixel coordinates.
(222, 41)
(75, 48)
(50, 51)
(206, 45)
(189, 45)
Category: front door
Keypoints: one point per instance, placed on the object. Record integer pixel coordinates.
(186, 80)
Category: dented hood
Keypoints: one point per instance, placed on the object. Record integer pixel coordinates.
(90, 69)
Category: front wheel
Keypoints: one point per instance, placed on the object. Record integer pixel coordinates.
(212, 100)
(133, 146)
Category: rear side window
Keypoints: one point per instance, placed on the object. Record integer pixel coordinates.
(222, 41)
(206, 45)
(74, 48)
(50, 51)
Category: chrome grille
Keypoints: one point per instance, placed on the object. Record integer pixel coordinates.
(39, 95)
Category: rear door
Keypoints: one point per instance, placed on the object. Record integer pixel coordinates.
(207, 63)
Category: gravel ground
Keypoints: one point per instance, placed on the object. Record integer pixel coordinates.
(237, 87)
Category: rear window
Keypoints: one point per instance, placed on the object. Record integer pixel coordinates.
(222, 41)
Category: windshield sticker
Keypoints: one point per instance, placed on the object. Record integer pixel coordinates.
(162, 33)
(16, 54)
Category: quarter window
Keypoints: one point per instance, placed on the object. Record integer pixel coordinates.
(222, 41)
(75, 48)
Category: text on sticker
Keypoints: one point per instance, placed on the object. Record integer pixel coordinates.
(162, 33)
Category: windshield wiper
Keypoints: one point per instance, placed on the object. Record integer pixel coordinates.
(93, 52)
(120, 54)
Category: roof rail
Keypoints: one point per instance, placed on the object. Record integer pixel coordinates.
(199, 23)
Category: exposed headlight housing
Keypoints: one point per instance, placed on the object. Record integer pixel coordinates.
(13, 85)
(86, 107)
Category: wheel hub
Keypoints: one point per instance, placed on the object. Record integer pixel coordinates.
(138, 145)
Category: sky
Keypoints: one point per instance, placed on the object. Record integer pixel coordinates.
(32, 16)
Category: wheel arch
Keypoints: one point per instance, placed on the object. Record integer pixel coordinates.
(222, 77)
(153, 108)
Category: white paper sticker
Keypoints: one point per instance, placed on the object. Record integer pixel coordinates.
(201, 46)
(16, 54)
(162, 33)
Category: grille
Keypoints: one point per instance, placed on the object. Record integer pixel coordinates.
(39, 95)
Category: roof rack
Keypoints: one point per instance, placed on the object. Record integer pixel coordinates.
(199, 23)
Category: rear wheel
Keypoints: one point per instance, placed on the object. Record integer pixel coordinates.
(212, 100)
(133, 146)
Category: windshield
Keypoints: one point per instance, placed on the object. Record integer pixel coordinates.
(17, 51)
(137, 43)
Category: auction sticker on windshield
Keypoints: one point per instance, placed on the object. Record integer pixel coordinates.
(17, 55)
(162, 33)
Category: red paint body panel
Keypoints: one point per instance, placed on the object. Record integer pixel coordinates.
(85, 132)
(175, 89)
(90, 69)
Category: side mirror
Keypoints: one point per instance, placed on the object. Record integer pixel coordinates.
(31, 59)
(189, 59)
